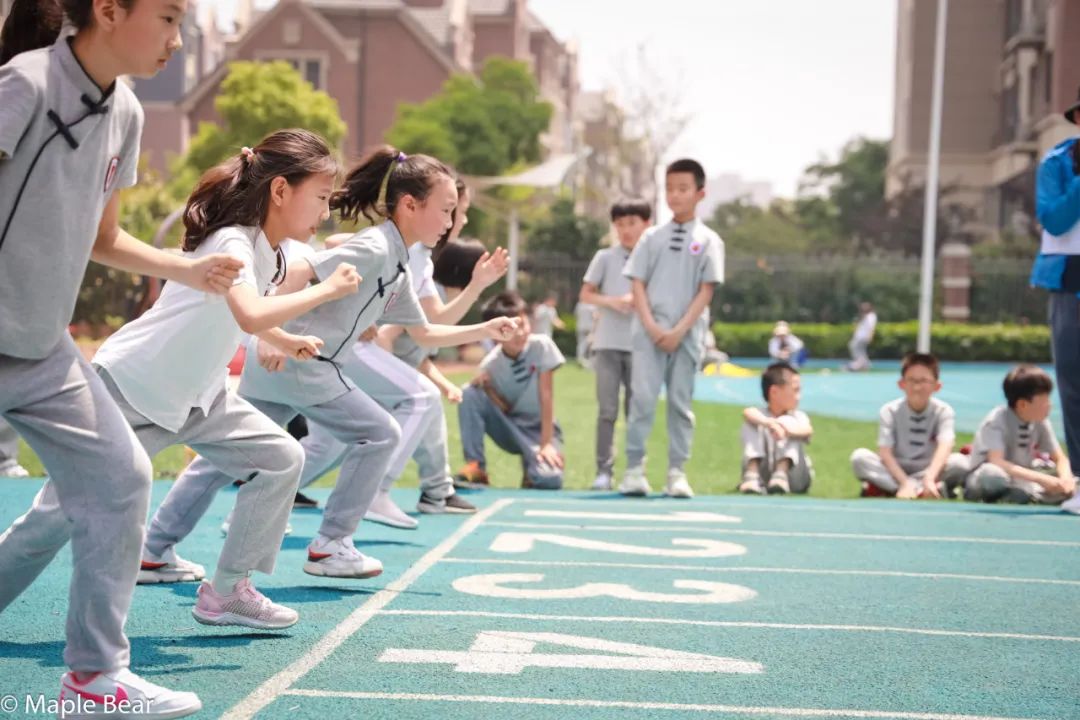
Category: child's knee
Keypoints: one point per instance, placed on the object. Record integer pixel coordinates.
(284, 457)
(542, 479)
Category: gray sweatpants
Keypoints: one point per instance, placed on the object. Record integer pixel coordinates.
(860, 357)
(369, 433)
(479, 416)
(759, 444)
(9, 442)
(989, 483)
(612, 369)
(868, 467)
(651, 367)
(414, 402)
(99, 486)
(246, 444)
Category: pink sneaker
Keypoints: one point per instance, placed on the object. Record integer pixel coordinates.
(123, 694)
(244, 606)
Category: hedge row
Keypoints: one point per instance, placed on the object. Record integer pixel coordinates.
(997, 342)
(949, 341)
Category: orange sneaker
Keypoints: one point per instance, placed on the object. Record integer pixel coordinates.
(472, 477)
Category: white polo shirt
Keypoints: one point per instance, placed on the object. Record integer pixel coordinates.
(175, 357)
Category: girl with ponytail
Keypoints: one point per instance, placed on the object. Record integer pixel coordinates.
(164, 369)
(69, 140)
(412, 199)
(404, 381)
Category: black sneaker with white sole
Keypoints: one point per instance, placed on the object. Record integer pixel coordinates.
(303, 501)
(452, 505)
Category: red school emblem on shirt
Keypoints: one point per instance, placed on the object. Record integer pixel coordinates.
(696, 247)
(110, 174)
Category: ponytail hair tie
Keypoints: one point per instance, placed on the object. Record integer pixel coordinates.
(401, 157)
(248, 153)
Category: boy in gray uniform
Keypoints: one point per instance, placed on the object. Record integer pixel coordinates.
(673, 271)
(1007, 462)
(774, 437)
(609, 290)
(513, 401)
(915, 439)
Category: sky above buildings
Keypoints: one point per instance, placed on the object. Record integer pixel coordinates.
(773, 86)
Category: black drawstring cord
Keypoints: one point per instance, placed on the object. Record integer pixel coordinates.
(63, 129)
(352, 332)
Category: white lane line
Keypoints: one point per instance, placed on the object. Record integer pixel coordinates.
(977, 512)
(784, 533)
(796, 571)
(736, 624)
(687, 707)
(280, 683)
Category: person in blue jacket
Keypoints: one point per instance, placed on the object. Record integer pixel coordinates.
(1057, 268)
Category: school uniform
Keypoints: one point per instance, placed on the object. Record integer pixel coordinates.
(65, 147)
(759, 444)
(673, 261)
(392, 380)
(321, 389)
(1023, 443)
(518, 430)
(611, 350)
(913, 437)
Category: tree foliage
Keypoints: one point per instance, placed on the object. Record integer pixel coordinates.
(481, 125)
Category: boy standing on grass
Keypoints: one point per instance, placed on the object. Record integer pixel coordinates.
(606, 287)
(775, 437)
(513, 401)
(673, 271)
(915, 439)
(546, 315)
(1006, 458)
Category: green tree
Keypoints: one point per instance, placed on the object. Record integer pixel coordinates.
(481, 125)
(565, 233)
(751, 230)
(855, 187)
(257, 98)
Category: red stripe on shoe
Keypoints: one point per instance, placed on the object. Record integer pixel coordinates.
(314, 556)
(147, 565)
(120, 696)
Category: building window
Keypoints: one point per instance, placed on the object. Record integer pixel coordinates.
(1014, 18)
(1010, 115)
(310, 68)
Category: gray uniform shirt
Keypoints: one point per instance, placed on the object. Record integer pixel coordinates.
(385, 294)
(673, 261)
(1021, 442)
(914, 436)
(420, 268)
(52, 195)
(517, 380)
(612, 331)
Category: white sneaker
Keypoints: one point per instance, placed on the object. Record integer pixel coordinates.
(385, 512)
(634, 483)
(168, 568)
(228, 521)
(123, 694)
(602, 481)
(677, 484)
(243, 606)
(12, 469)
(1072, 505)
(339, 558)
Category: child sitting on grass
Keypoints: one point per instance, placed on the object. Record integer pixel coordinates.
(774, 437)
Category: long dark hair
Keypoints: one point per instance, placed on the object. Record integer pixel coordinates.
(374, 187)
(237, 192)
(34, 24)
(454, 265)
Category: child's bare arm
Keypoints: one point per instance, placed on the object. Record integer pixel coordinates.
(888, 459)
(641, 304)
(1019, 472)
(547, 451)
